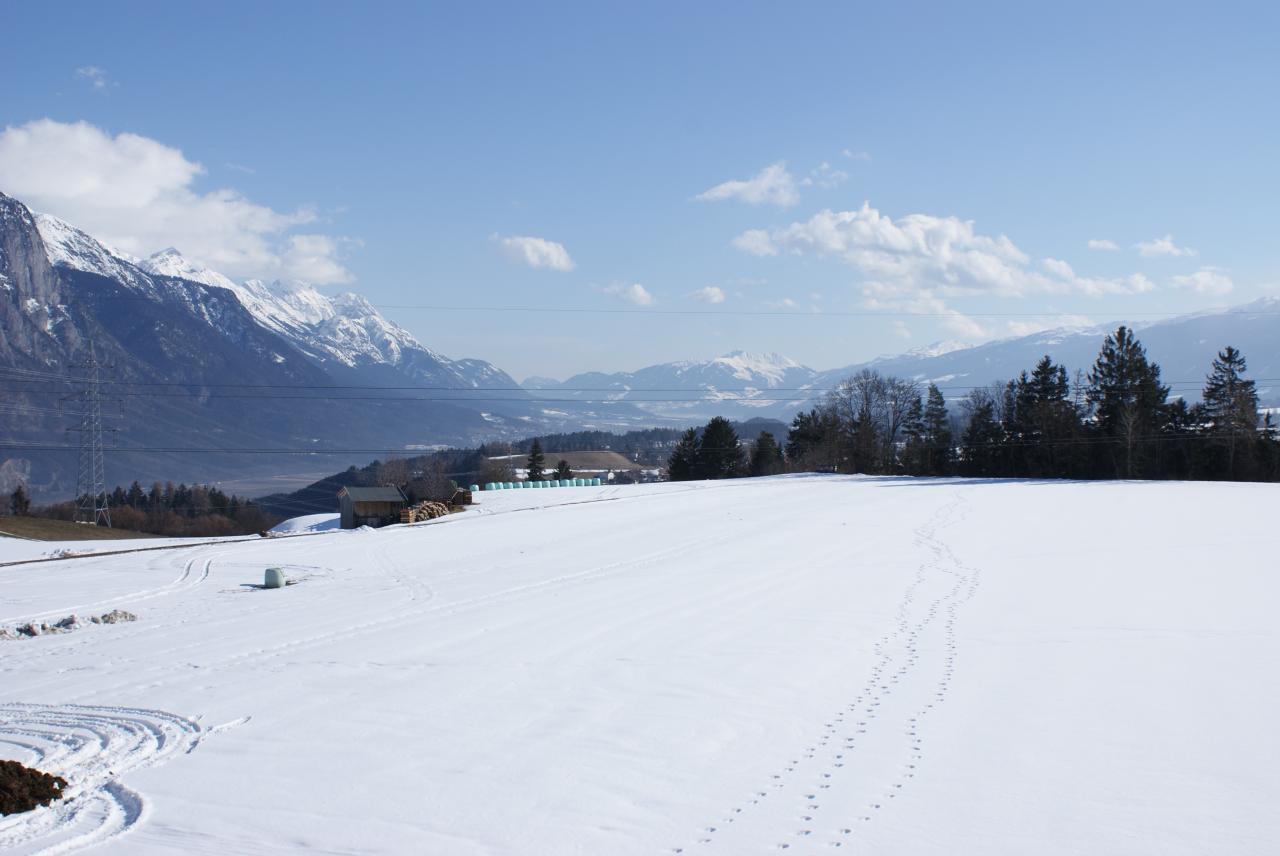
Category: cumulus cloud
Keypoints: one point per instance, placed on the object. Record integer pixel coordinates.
(138, 195)
(635, 293)
(1207, 280)
(1103, 244)
(710, 294)
(1162, 247)
(851, 154)
(921, 254)
(772, 185)
(96, 77)
(537, 252)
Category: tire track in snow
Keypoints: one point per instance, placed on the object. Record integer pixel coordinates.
(868, 751)
(91, 747)
(188, 578)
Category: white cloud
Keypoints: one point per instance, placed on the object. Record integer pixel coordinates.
(921, 254)
(773, 185)
(1207, 280)
(901, 330)
(635, 293)
(1058, 268)
(825, 176)
(710, 294)
(856, 155)
(1162, 247)
(537, 252)
(137, 194)
(96, 77)
(784, 303)
(756, 242)
(1103, 244)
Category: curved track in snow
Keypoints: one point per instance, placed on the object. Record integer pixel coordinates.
(91, 747)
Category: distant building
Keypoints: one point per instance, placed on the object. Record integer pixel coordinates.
(370, 506)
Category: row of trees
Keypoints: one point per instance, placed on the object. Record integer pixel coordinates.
(1115, 421)
(716, 452)
(179, 510)
(536, 466)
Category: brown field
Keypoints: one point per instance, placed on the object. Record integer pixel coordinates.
(43, 529)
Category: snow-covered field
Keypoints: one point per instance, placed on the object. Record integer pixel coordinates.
(889, 666)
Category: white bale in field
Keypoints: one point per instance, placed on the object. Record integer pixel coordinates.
(274, 578)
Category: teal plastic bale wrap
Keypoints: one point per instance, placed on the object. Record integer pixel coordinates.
(274, 578)
(595, 482)
(475, 488)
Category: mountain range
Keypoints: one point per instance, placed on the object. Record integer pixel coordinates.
(277, 378)
(283, 380)
(742, 385)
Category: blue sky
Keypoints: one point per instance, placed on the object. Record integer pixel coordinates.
(922, 158)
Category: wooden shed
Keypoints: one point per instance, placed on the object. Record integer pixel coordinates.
(370, 506)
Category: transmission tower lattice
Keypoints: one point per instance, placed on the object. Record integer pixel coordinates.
(91, 487)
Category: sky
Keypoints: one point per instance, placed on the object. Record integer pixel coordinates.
(830, 182)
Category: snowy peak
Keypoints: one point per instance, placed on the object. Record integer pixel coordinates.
(69, 247)
(170, 262)
(344, 330)
(770, 368)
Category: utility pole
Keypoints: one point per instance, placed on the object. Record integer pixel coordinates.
(91, 488)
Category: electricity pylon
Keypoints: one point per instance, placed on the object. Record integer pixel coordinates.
(91, 487)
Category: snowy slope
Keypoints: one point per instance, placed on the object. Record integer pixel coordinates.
(344, 330)
(794, 663)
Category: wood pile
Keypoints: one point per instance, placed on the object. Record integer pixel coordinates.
(426, 510)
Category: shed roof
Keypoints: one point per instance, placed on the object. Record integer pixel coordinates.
(389, 493)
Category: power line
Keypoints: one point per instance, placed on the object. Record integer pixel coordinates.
(91, 499)
(800, 313)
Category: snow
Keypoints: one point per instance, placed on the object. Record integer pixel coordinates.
(307, 523)
(772, 368)
(891, 665)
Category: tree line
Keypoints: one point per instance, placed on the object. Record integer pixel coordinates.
(177, 510)
(1117, 420)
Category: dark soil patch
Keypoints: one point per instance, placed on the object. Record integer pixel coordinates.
(22, 788)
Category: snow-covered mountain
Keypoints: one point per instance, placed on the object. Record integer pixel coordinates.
(341, 331)
(1183, 346)
(742, 385)
(199, 360)
(737, 384)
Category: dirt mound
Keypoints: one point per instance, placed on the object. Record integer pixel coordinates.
(22, 788)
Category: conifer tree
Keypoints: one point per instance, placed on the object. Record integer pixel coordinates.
(813, 440)
(683, 463)
(536, 462)
(1231, 407)
(563, 470)
(914, 454)
(766, 457)
(1127, 397)
(721, 454)
(19, 501)
(937, 434)
(981, 441)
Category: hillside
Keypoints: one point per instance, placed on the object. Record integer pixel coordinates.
(734, 667)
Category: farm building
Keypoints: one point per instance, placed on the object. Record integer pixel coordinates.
(370, 506)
